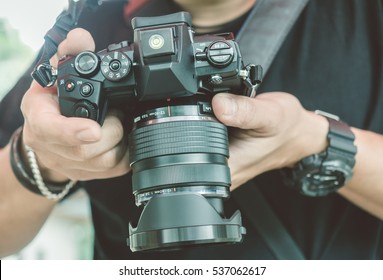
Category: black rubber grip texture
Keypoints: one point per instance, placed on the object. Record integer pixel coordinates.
(178, 137)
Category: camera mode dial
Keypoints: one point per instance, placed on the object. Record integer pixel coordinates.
(115, 66)
(220, 54)
(87, 63)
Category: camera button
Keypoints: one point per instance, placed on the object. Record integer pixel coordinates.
(82, 112)
(69, 85)
(115, 65)
(201, 56)
(87, 63)
(205, 108)
(115, 47)
(86, 89)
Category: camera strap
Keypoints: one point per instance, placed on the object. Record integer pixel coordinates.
(260, 38)
(262, 217)
(44, 73)
(266, 28)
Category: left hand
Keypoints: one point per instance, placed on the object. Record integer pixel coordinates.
(270, 131)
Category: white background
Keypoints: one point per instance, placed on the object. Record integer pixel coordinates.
(32, 18)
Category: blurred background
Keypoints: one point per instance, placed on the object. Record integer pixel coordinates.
(68, 233)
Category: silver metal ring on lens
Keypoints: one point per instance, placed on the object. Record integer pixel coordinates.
(206, 191)
(177, 118)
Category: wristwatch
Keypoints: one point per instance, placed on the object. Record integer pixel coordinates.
(324, 173)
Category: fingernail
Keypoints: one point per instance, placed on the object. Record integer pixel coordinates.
(86, 135)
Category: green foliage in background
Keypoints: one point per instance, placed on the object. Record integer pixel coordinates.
(10, 44)
(15, 57)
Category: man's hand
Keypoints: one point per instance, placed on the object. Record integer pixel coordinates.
(72, 148)
(270, 131)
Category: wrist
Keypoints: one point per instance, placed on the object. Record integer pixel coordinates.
(47, 173)
(324, 172)
(27, 171)
(313, 136)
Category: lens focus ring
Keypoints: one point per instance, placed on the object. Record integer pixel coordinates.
(178, 137)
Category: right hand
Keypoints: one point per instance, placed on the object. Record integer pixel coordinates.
(72, 148)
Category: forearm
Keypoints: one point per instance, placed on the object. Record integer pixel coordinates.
(22, 213)
(365, 189)
(274, 131)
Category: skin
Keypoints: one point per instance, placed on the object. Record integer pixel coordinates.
(270, 131)
(205, 19)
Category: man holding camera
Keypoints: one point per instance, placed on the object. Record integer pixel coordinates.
(280, 147)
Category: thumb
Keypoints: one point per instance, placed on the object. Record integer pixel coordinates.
(237, 111)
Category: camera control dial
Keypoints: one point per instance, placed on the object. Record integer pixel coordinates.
(85, 109)
(115, 66)
(87, 63)
(220, 54)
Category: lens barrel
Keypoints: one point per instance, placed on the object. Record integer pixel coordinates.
(178, 155)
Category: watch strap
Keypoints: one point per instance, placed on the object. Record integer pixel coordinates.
(341, 142)
(323, 173)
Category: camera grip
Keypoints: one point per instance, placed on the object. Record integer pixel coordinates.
(81, 98)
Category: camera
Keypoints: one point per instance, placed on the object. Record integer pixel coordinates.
(178, 150)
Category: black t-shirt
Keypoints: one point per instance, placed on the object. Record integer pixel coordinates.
(331, 60)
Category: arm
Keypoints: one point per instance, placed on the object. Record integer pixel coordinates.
(66, 148)
(22, 213)
(275, 131)
(365, 189)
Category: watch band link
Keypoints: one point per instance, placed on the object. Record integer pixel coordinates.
(324, 173)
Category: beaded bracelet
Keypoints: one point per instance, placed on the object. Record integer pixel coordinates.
(30, 176)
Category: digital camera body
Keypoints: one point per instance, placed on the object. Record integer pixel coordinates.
(178, 150)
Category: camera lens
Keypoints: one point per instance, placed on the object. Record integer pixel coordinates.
(178, 155)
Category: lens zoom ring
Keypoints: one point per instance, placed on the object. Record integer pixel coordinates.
(178, 137)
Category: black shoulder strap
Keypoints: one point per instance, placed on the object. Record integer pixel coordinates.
(43, 73)
(266, 28)
(260, 39)
(263, 218)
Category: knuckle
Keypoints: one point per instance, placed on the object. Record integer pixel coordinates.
(115, 128)
(109, 160)
(82, 152)
(117, 131)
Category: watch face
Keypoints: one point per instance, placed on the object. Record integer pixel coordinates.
(322, 182)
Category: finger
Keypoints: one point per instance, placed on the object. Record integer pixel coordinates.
(48, 128)
(77, 40)
(120, 168)
(105, 161)
(44, 122)
(109, 145)
(35, 86)
(244, 112)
